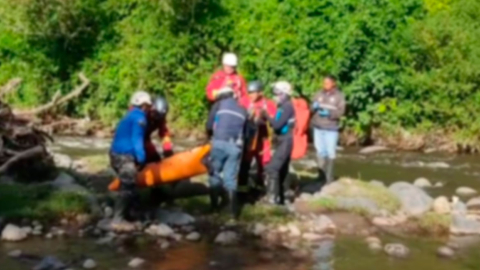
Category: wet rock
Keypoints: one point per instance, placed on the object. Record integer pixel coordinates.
(323, 224)
(107, 212)
(313, 237)
(422, 183)
(463, 225)
(373, 239)
(353, 204)
(414, 200)
(294, 230)
(15, 253)
(259, 229)
(305, 197)
(441, 205)
(438, 185)
(27, 229)
(193, 236)
(458, 207)
(49, 236)
(466, 191)
(373, 149)
(397, 250)
(136, 262)
(50, 263)
(89, 264)
(64, 221)
(445, 252)
(227, 238)
(177, 237)
(375, 247)
(13, 233)
(162, 230)
(62, 161)
(437, 165)
(175, 218)
(474, 204)
(164, 244)
(377, 183)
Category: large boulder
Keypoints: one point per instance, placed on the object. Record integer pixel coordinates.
(441, 205)
(414, 200)
(361, 204)
(463, 225)
(13, 233)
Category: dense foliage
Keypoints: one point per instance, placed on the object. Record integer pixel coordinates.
(410, 64)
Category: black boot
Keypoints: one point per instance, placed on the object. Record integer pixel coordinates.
(273, 190)
(329, 170)
(214, 199)
(234, 206)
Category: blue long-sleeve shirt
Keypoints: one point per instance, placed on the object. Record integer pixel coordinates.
(129, 135)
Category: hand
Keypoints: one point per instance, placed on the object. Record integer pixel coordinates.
(315, 106)
(167, 146)
(324, 113)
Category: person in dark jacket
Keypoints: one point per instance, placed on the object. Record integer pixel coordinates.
(328, 107)
(226, 125)
(283, 125)
(127, 153)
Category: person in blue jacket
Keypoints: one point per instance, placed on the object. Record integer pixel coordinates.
(127, 153)
(283, 124)
(226, 126)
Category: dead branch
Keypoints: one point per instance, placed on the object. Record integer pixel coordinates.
(10, 86)
(32, 152)
(57, 99)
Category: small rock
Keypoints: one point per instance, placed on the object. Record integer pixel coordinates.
(422, 183)
(466, 191)
(105, 240)
(259, 229)
(49, 236)
(438, 185)
(373, 149)
(193, 236)
(15, 253)
(162, 230)
(441, 205)
(226, 238)
(323, 224)
(62, 160)
(474, 204)
(177, 237)
(415, 201)
(89, 264)
(50, 263)
(294, 230)
(377, 183)
(397, 250)
(175, 218)
(375, 246)
(445, 252)
(64, 221)
(135, 263)
(164, 244)
(13, 233)
(373, 239)
(27, 229)
(438, 165)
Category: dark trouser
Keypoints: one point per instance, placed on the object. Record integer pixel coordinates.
(161, 194)
(126, 170)
(277, 169)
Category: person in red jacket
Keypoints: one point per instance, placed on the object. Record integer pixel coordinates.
(227, 76)
(259, 147)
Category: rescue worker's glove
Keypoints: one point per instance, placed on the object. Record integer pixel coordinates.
(167, 144)
(315, 106)
(324, 113)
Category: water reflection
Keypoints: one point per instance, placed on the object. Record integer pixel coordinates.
(323, 255)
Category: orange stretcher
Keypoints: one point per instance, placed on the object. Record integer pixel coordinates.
(175, 168)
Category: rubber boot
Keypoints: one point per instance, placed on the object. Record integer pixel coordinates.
(322, 178)
(120, 212)
(329, 170)
(214, 193)
(234, 206)
(273, 190)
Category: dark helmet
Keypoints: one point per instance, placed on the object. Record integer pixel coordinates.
(160, 105)
(255, 86)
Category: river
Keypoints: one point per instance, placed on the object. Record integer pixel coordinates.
(345, 253)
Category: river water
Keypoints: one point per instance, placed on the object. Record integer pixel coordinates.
(345, 253)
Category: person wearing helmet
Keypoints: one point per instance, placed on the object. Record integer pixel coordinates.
(127, 153)
(157, 121)
(260, 146)
(228, 76)
(225, 126)
(283, 125)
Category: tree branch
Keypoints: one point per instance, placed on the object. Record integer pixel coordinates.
(34, 151)
(10, 86)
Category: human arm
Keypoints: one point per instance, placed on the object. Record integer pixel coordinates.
(211, 119)
(340, 108)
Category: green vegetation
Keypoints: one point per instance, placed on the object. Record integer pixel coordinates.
(39, 202)
(265, 213)
(403, 64)
(434, 224)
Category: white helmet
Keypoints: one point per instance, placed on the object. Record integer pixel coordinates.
(283, 87)
(230, 59)
(141, 97)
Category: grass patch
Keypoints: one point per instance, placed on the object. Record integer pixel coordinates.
(39, 202)
(265, 213)
(434, 224)
(96, 163)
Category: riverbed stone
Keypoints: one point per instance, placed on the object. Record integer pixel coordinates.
(13, 233)
(373, 149)
(162, 230)
(438, 185)
(136, 262)
(422, 183)
(474, 204)
(441, 205)
(375, 246)
(463, 225)
(193, 236)
(373, 239)
(89, 264)
(466, 191)
(164, 244)
(227, 238)
(445, 252)
(414, 200)
(62, 160)
(294, 230)
(353, 204)
(397, 250)
(50, 263)
(437, 165)
(15, 253)
(259, 229)
(175, 218)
